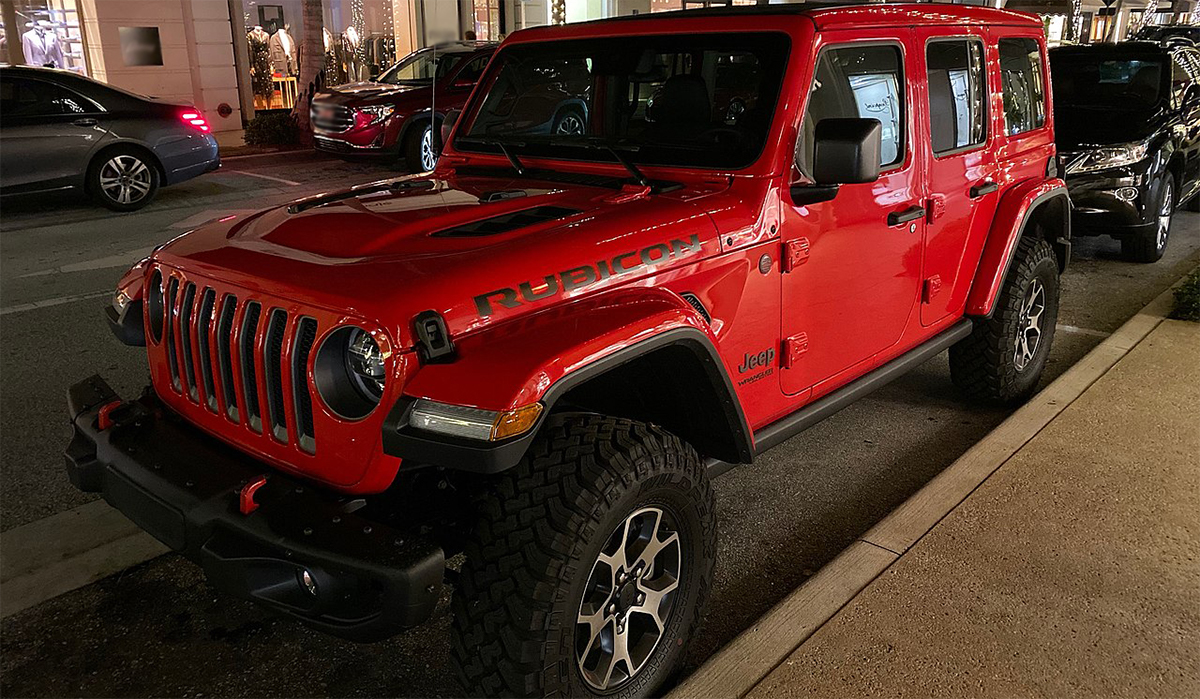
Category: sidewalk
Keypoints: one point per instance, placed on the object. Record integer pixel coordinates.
(1073, 571)
(1059, 557)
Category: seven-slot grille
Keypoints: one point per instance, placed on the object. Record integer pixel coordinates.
(226, 355)
(331, 117)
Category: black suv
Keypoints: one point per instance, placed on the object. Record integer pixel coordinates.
(1127, 122)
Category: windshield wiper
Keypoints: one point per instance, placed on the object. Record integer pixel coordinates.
(504, 148)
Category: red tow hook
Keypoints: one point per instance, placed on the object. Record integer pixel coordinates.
(104, 417)
(246, 495)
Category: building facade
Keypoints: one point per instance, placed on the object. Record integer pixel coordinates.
(231, 58)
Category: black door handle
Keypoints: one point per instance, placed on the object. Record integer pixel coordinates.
(983, 188)
(912, 213)
(86, 121)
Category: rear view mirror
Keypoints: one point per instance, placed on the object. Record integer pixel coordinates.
(448, 122)
(846, 151)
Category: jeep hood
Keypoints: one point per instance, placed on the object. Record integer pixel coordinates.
(477, 250)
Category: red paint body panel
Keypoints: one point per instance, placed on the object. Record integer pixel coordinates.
(850, 301)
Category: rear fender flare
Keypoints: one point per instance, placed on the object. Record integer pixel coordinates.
(1016, 209)
(543, 356)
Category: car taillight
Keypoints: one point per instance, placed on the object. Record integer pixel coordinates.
(196, 120)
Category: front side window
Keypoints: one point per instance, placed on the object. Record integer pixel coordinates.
(422, 67)
(856, 82)
(471, 72)
(1182, 78)
(1023, 85)
(702, 100)
(957, 94)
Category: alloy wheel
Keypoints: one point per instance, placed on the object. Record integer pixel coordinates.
(628, 599)
(428, 157)
(1029, 332)
(1165, 210)
(125, 179)
(570, 125)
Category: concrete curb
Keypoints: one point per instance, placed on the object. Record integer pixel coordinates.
(756, 652)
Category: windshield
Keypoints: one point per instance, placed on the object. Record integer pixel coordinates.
(418, 67)
(1118, 83)
(696, 100)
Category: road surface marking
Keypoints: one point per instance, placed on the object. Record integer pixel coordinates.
(265, 177)
(57, 301)
(197, 220)
(1081, 331)
(123, 259)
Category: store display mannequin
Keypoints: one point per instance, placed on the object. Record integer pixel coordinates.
(41, 47)
(260, 62)
(283, 52)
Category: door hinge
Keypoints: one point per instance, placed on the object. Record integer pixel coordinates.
(795, 253)
(930, 288)
(794, 348)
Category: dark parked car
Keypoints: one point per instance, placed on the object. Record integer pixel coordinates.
(59, 130)
(1128, 131)
(389, 117)
(1170, 33)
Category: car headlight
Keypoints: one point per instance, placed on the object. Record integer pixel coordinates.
(350, 372)
(473, 423)
(1109, 157)
(377, 112)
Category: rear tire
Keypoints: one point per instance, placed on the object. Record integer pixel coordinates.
(1150, 245)
(559, 578)
(122, 179)
(419, 155)
(1001, 361)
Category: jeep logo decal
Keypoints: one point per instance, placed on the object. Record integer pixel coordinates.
(580, 277)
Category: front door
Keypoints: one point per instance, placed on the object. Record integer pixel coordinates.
(963, 190)
(855, 261)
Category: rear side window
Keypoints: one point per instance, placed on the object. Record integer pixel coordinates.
(857, 82)
(1024, 93)
(957, 94)
(22, 97)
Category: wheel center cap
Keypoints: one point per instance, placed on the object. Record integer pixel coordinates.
(626, 596)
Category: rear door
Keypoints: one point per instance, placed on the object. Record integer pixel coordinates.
(962, 193)
(47, 133)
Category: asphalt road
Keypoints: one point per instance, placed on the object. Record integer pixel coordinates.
(158, 629)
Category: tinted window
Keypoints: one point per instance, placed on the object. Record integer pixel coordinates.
(1085, 80)
(957, 94)
(1181, 79)
(471, 71)
(23, 97)
(1024, 98)
(421, 66)
(702, 100)
(856, 81)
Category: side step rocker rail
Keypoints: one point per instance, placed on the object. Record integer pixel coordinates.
(787, 427)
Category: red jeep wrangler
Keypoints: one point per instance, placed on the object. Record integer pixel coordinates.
(540, 353)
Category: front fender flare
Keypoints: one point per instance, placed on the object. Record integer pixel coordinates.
(1016, 206)
(503, 368)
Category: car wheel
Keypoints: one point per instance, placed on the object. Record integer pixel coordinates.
(588, 566)
(1150, 245)
(419, 155)
(569, 122)
(1003, 358)
(123, 179)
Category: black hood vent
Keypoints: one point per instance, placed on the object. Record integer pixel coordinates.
(507, 222)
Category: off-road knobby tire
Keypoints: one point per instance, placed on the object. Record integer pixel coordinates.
(539, 530)
(982, 365)
(1143, 245)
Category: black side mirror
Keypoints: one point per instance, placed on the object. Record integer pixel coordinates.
(845, 151)
(448, 122)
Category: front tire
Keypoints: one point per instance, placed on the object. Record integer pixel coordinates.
(589, 564)
(1002, 360)
(419, 154)
(1150, 245)
(123, 179)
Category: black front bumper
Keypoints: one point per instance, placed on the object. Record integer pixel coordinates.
(183, 487)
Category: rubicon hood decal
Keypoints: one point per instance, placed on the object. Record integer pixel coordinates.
(553, 285)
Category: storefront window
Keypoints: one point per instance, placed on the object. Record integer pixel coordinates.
(42, 33)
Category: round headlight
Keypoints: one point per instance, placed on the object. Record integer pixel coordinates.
(350, 372)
